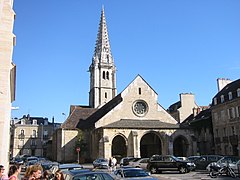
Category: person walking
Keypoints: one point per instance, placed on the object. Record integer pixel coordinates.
(2, 175)
(14, 172)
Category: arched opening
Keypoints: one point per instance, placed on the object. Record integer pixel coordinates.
(150, 144)
(119, 148)
(180, 146)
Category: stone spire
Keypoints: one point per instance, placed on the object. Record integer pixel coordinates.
(102, 53)
(102, 69)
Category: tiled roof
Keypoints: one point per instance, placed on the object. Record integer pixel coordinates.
(78, 113)
(94, 117)
(141, 124)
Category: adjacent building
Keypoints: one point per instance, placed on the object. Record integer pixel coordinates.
(226, 117)
(31, 136)
(7, 76)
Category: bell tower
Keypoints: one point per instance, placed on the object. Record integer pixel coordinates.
(102, 69)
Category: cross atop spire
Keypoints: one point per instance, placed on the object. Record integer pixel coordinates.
(102, 53)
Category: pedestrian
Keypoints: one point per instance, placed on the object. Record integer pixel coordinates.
(110, 164)
(58, 175)
(114, 163)
(2, 175)
(14, 171)
(35, 172)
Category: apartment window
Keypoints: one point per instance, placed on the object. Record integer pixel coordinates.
(22, 132)
(34, 133)
(222, 98)
(238, 111)
(215, 101)
(230, 96)
(238, 92)
(231, 113)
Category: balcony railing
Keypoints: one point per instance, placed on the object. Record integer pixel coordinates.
(21, 136)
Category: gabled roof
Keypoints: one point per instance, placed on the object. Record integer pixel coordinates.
(139, 76)
(141, 124)
(78, 113)
(231, 87)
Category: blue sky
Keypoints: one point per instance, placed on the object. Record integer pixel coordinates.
(177, 46)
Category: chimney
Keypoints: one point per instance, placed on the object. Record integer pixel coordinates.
(222, 82)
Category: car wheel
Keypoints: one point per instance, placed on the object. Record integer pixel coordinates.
(182, 170)
(153, 170)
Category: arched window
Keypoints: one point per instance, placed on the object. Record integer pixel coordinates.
(107, 75)
(139, 91)
(105, 95)
(104, 75)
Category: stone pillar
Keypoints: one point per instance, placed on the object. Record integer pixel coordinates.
(136, 145)
(170, 145)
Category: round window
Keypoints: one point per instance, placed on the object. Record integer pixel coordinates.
(140, 108)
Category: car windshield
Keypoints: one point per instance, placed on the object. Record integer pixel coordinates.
(135, 173)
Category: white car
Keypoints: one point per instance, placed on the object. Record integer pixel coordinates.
(139, 163)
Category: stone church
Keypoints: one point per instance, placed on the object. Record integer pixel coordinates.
(131, 123)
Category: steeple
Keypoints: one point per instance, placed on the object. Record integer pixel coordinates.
(102, 70)
(102, 51)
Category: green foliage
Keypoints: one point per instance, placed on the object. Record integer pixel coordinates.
(80, 142)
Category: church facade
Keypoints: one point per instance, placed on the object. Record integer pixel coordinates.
(131, 123)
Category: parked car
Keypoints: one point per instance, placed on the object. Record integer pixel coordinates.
(89, 175)
(232, 161)
(29, 163)
(100, 163)
(125, 161)
(159, 163)
(205, 160)
(65, 167)
(139, 163)
(193, 158)
(132, 173)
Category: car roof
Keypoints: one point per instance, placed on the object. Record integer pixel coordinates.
(63, 166)
(76, 171)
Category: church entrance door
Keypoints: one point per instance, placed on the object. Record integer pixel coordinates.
(150, 144)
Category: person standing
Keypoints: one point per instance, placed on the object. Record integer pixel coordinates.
(114, 163)
(110, 164)
(2, 175)
(14, 171)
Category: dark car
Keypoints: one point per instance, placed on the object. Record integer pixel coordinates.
(159, 163)
(132, 173)
(88, 175)
(205, 160)
(100, 163)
